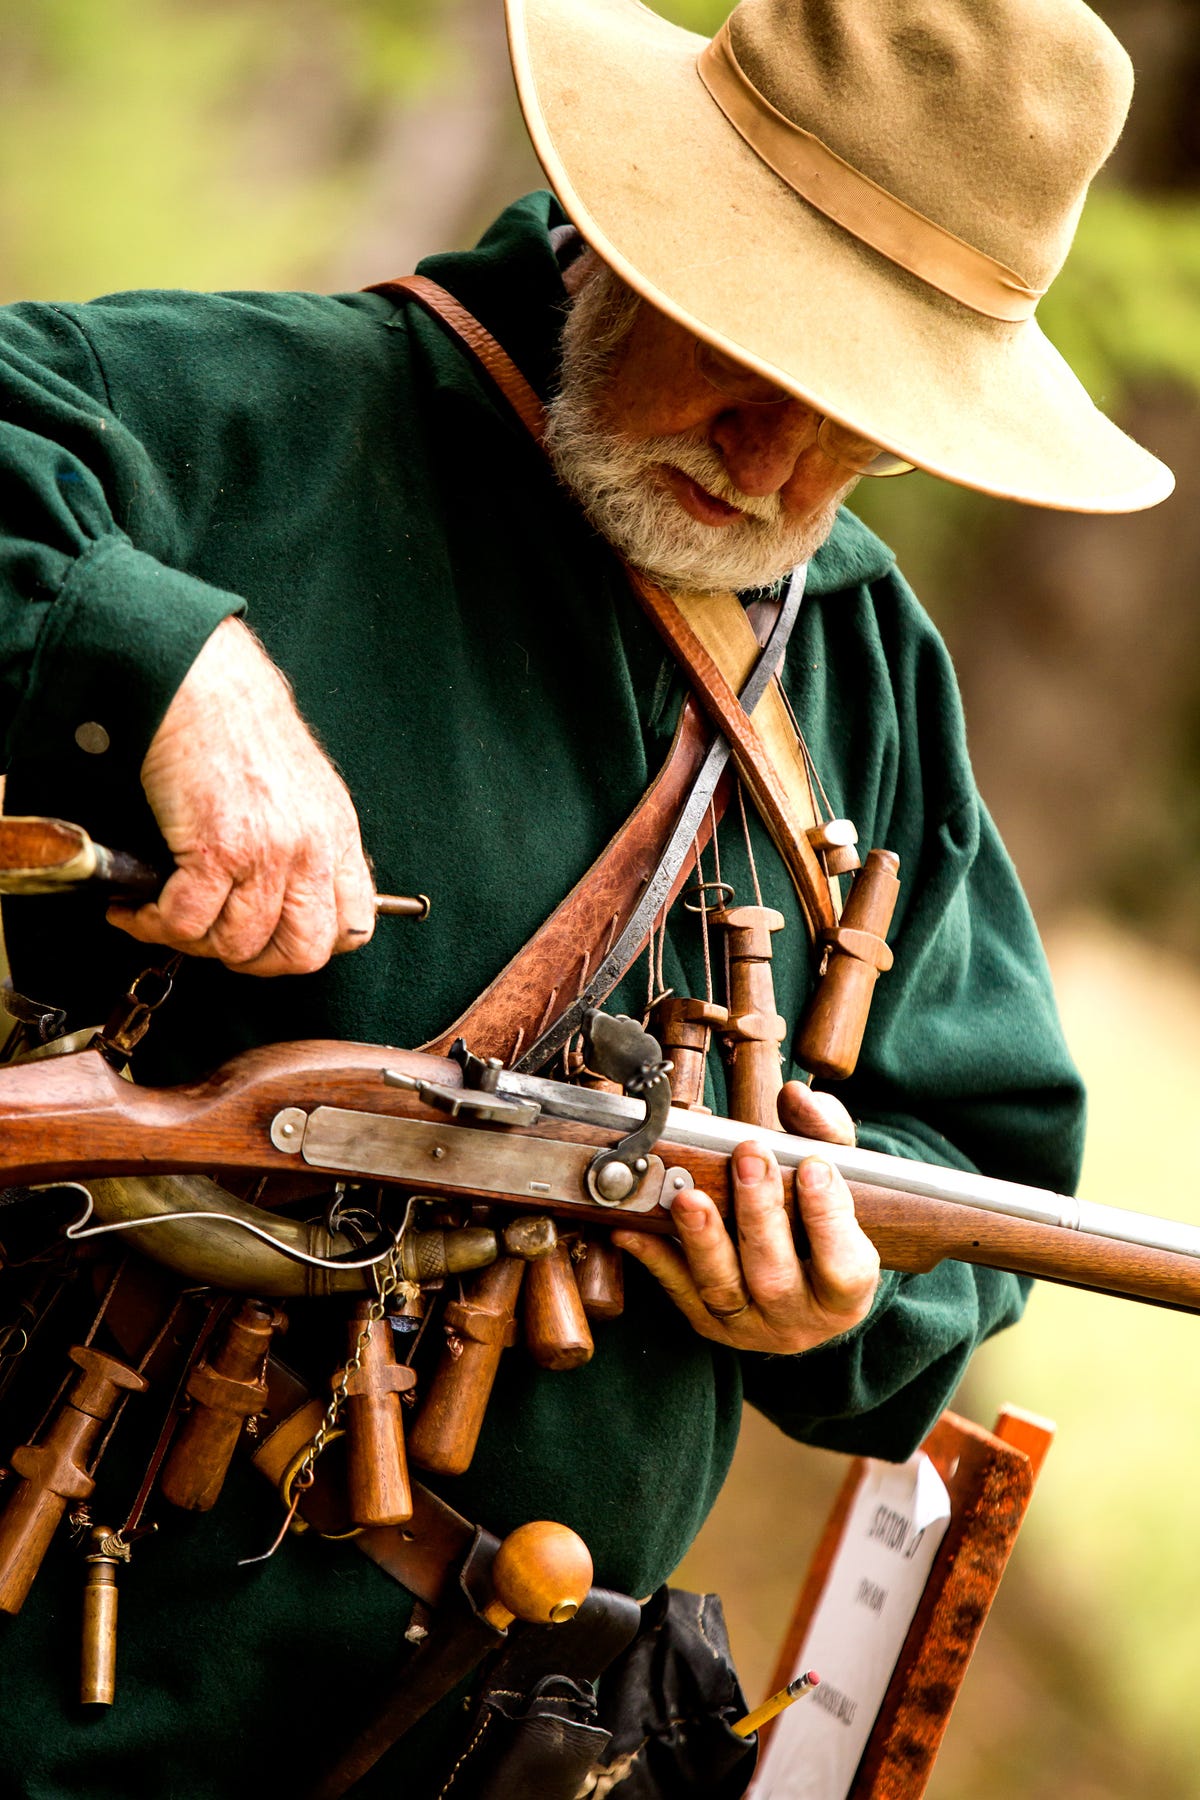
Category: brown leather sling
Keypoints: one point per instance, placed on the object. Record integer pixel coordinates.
(712, 638)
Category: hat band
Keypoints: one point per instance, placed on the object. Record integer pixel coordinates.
(855, 202)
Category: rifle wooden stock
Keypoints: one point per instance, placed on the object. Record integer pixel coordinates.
(72, 1117)
(915, 1233)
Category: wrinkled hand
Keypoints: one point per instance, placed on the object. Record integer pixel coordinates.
(271, 876)
(757, 1294)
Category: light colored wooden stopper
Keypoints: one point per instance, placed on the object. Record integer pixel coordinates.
(541, 1574)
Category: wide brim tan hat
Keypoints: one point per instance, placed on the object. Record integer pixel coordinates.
(982, 120)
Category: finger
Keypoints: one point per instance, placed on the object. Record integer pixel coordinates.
(710, 1253)
(766, 1240)
(669, 1266)
(156, 923)
(189, 904)
(248, 920)
(843, 1270)
(806, 1112)
(305, 932)
(354, 900)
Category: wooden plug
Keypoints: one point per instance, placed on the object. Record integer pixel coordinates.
(834, 842)
(54, 1473)
(831, 1035)
(557, 1334)
(225, 1389)
(542, 1574)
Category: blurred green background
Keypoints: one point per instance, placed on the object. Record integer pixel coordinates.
(329, 143)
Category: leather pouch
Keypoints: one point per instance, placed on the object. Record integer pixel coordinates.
(668, 1703)
(530, 1746)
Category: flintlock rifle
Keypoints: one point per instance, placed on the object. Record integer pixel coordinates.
(455, 1127)
(475, 1131)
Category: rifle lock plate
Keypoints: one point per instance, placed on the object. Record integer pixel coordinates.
(516, 1168)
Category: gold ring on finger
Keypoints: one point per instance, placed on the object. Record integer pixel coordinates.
(725, 1313)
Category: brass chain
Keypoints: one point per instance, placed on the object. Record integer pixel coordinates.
(388, 1280)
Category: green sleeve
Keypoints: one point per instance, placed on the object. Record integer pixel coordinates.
(963, 1065)
(93, 627)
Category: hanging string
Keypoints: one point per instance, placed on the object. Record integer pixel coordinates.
(758, 899)
(656, 988)
(142, 1366)
(650, 969)
(811, 772)
(708, 983)
(72, 1373)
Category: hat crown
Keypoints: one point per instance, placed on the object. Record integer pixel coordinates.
(988, 116)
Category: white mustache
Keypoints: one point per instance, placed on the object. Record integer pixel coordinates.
(696, 459)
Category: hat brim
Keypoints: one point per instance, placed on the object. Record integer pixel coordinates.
(688, 215)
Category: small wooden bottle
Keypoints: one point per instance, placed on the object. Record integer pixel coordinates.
(831, 1035)
(600, 1274)
(225, 1389)
(479, 1328)
(754, 1031)
(54, 1472)
(376, 1467)
(557, 1334)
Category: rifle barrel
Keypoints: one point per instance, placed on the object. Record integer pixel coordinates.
(964, 1187)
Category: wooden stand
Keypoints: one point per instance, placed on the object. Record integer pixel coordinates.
(989, 1476)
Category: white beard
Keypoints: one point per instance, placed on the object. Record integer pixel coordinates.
(620, 484)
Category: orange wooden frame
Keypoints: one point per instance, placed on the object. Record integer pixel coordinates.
(990, 1477)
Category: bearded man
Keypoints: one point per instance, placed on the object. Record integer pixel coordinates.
(806, 254)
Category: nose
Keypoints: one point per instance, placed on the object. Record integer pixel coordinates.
(761, 446)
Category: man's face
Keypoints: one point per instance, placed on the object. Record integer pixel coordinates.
(695, 488)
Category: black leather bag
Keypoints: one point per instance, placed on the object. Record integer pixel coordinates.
(657, 1726)
(668, 1703)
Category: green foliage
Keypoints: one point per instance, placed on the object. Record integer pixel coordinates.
(695, 15)
(1126, 308)
(148, 142)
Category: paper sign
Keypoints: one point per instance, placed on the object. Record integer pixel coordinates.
(896, 1522)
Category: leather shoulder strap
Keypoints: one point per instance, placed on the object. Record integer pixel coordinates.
(492, 359)
(699, 631)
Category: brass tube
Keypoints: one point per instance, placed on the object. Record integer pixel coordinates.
(98, 1661)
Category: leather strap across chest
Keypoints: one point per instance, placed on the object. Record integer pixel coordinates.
(713, 640)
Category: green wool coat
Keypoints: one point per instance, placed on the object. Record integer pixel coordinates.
(466, 648)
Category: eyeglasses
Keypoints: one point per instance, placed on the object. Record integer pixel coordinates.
(835, 441)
